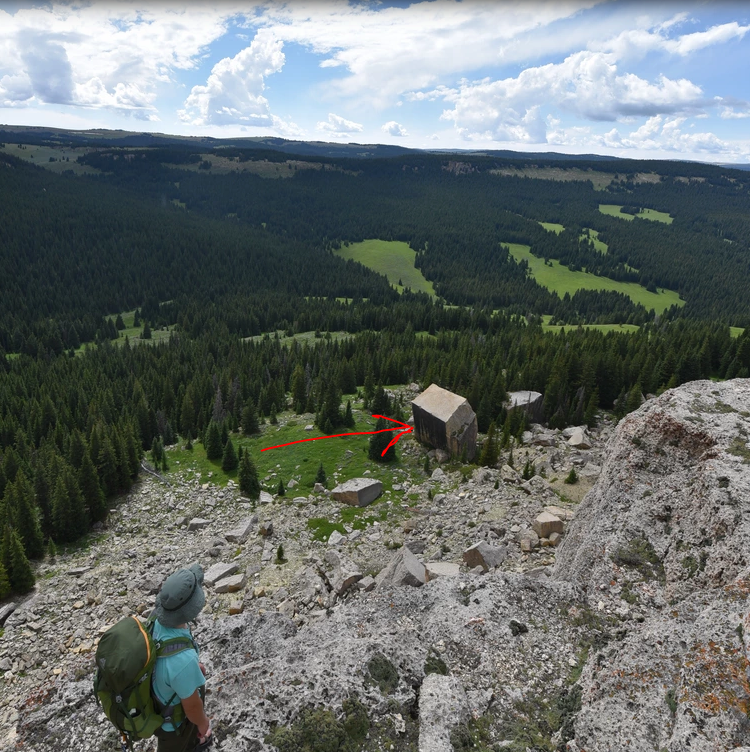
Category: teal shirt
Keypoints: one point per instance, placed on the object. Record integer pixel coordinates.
(177, 674)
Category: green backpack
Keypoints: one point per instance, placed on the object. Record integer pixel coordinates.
(126, 658)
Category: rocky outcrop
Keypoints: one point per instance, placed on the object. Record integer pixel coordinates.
(664, 537)
(445, 421)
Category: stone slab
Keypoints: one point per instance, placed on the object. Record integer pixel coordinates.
(484, 555)
(403, 569)
(437, 569)
(197, 523)
(218, 572)
(240, 533)
(231, 584)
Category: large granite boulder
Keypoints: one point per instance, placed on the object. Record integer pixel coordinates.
(445, 421)
(358, 492)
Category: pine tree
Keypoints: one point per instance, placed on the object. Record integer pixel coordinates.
(26, 518)
(42, 494)
(51, 549)
(426, 467)
(157, 450)
(299, 390)
(146, 333)
(272, 419)
(20, 575)
(4, 583)
(378, 443)
(348, 417)
(281, 491)
(248, 477)
(572, 477)
(62, 513)
(321, 476)
(229, 459)
(107, 467)
(490, 451)
(250, 418)
(214, 448)
(529, 470)
(93, 496)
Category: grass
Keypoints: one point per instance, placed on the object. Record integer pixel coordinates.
(40, 156)
(552, 227)
(613, 210)
(394, 259)
(346, 457)
(593, 235)
(600, 180)
(559, 279)
(735, 331)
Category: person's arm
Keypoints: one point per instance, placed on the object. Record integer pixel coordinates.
(193, 707)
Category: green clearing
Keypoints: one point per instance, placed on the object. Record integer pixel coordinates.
(593, 235)
(552, 227)
(346, 456)
(559, 279)
(301, 337)
(557, 328)
(392, 258)
(735, 331)
(613, 210)
(41, 155)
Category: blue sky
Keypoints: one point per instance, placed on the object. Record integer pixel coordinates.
(633, 79)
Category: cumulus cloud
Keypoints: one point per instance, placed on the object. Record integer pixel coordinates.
(392, 128)
(233, 93)
(339, 127)
(387, 51)
(102, 56)
(587, 84)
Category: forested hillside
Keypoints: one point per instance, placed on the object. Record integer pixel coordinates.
(220, 256)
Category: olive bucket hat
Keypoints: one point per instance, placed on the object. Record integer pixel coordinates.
(181, 597)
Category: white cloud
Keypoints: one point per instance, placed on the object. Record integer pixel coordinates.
(587, 84)
(392, 128)
(233, 93)
(387, 51)
(339, 127)
(102, 56)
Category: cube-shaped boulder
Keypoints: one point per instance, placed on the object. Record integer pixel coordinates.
(546, 524)
(358, 492)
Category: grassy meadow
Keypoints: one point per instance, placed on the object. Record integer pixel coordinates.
(557, 328)
(613, 210)
(552, 227)
(559, 279)
(392, 258)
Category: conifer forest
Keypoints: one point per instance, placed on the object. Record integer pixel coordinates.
(223, 252)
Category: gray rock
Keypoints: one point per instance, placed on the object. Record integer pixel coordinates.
(366, 584)
(546, 523)
(217, 572)
(292, 484)
(78, 571)
(358, 492)
(197, 523)
(265, 528)
(240, 533)
(579, 440)
(442, 706)
(416, 546)
(484, 555)
(403, 569)
(335, 538)
(6, 610)
(437, 569)
(445, 421)
(265, 498)
(437, 474)
(231, 584)
(441, 456)
(342, 572)
(319, 488)
(529, 541)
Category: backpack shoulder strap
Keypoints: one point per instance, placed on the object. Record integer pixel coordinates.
(166, 648)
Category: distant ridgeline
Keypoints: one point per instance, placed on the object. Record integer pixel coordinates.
(223, 241)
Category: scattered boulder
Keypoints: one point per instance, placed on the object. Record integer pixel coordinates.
(342, 572)
(197, 523)
(265, 498)
(358, 492)
(445, 421)
(265, 529)
(532, 403)
(403, 569)
(529, 541)
(437, 474)
(509, 475)
(546, 524)
(242, 532)
(579, 440)
(437, 569)
(335, 538)
(231, 584)
(6, 610)
(366, 584)
(218, 572)
(484, 555)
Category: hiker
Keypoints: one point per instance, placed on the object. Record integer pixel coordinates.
(180, 678)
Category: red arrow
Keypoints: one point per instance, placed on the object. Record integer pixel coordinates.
(403, 429)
